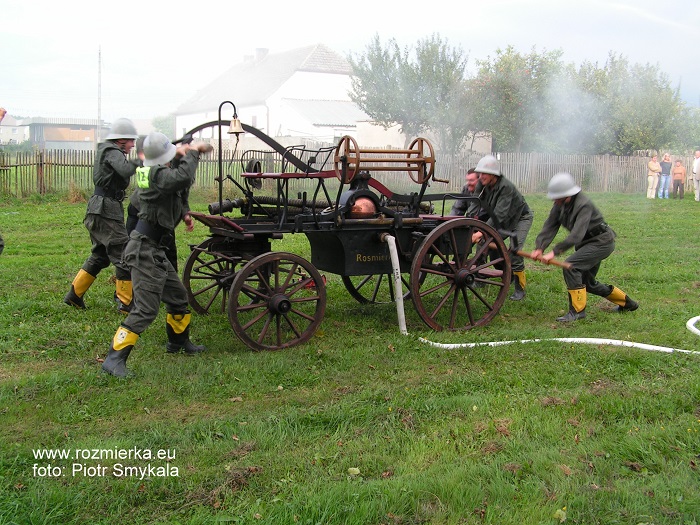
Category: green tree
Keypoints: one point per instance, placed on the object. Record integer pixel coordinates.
(512, 93)
(647, 112)
(588, 130)
(420, 90)
(633, 107)
(527, 102)
(687, 131)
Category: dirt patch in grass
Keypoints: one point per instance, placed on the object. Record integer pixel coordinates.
(600, 386)
(549, 401)
(234, 480)
(242, 450)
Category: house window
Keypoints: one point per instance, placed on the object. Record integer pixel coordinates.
(14, 131)
(254, 123)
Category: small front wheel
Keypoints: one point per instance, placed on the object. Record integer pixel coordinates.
(277, 300)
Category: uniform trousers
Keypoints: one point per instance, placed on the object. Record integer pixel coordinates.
(521, 231)
(154, 280)
(108, 237)
(585, 263)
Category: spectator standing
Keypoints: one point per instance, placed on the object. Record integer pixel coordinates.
(696, 175)
(678, 176)
(654, 168)
(665, 177)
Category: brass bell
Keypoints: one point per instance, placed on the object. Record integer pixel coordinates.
(235, 127)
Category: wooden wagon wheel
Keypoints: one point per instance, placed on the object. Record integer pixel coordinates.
(457, 284)
(346, 153)
(421, 145)
(277, 300)
(208, 274)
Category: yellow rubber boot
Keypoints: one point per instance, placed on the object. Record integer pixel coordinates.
(122, 345)
(177, 326)
(78, 287)
(577, 306)
(519, 282)
(622, 300)
(124, 295)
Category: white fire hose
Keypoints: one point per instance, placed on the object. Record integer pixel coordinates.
(690, 325)
(581, 340)
(398, 287)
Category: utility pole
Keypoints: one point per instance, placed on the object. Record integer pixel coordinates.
(98, 133)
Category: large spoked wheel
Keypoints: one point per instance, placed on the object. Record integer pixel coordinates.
(457, 284)
(277, 300)
(208, 274)
(374, 289)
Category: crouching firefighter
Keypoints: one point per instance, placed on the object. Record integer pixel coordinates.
(592, 239)
(153, 276)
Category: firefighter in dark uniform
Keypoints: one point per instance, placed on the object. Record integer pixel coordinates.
(161, 209)
(104, 218)
(592, 239)
(507, 211)
(132, 210)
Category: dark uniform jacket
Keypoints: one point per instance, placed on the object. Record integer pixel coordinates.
(462, 206)
(161, 191)
(583, 220)
(111, 175)
(504, 204)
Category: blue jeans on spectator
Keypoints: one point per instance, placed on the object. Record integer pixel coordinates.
(664, 181)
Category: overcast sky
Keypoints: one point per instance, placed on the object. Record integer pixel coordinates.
(155, 54)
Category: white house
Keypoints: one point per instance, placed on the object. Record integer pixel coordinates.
(12, 131)
(292, 95)
(299, 93)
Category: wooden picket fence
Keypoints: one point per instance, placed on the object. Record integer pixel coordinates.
(24, 174)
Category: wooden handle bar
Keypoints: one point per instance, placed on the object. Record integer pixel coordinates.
(388, 150)
(553, 262)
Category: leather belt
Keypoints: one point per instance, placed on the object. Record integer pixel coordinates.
(155, 233)
(106, 192)
(595, 231)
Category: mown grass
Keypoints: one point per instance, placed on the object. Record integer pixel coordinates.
(524, 433)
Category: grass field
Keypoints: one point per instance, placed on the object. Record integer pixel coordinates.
(361, 425)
